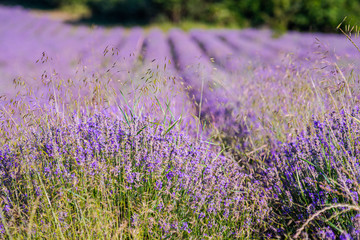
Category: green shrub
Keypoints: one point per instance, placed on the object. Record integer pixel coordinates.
(316, 15)
(200, 10)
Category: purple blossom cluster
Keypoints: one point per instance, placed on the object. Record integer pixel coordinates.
(191, 184)
(320, 168)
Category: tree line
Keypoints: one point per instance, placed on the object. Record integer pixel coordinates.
(315, 15)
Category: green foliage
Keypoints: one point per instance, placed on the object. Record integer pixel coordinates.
(315, 15)
(319, 15)
(201, 10)
(324, 15)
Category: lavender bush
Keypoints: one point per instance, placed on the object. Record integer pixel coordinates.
(98, 178)
(318, 170)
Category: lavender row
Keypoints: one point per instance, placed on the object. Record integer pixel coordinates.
(219, 51)
(204, 82)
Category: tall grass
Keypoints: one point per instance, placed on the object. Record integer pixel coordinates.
(100, 178)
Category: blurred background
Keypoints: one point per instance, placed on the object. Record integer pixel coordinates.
(282, 15)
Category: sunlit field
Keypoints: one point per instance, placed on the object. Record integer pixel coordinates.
(117, 133)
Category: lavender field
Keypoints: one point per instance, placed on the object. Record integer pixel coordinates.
(115, 133)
